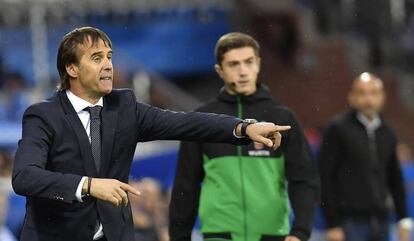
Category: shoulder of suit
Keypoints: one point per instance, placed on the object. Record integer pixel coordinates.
(341, 122)
(121, 92)
(388, 128)
(122, 95)
(45, 106)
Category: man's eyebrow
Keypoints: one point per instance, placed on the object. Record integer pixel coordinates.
(100, 53)
(233, 62)
(97, 53)
(250, 58)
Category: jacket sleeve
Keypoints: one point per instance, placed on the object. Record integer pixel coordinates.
(329, 161)
(303, 181)
(159, 124)
(186, 191)
(30, 174)
(396, 185)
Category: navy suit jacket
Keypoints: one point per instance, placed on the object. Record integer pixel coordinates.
(54, 153)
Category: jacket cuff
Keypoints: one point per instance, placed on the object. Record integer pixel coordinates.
(301, 234)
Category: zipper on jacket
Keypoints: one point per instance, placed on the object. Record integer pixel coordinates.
(239, 156)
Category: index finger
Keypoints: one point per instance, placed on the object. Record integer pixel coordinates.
(282, 128)
(130, 189)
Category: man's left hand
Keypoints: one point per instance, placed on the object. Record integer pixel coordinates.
(266, 133)
(291, 238)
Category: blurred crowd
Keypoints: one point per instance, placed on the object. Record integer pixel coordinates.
(280, 33)
(6, 164)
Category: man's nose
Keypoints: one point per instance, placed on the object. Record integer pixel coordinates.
(108, 64)
(243, 70)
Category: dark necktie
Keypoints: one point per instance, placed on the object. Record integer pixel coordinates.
(95, 129)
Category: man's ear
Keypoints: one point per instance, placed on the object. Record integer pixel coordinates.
(72, 70)
(259, 63)
(219, 71)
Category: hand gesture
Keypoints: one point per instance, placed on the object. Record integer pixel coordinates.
(266, 133)
(110, 190)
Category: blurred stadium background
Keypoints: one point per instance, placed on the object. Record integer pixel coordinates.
(311, 50)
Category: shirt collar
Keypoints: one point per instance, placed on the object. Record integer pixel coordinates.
(80, 104)
(374, 124)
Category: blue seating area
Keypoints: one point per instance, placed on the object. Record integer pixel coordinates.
(169, 42)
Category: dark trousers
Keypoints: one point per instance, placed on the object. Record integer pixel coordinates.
(370, 229)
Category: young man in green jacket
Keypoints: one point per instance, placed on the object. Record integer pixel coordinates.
(242, 193)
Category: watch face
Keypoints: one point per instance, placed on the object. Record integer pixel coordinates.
(250, 121)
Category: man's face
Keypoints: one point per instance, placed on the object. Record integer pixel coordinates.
(239, 70)
(92, 78)
(367, 97)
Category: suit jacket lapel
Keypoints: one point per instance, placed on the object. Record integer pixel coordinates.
(109, 118)
(82, 137)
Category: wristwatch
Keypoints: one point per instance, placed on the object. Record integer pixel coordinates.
(245, 124)
(406, 223)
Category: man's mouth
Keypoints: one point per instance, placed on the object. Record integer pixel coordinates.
(106, 78)
(243, 82)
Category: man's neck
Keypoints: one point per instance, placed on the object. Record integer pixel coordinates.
(84, 96)
(371, 122)
(369, 117)
(232, 92)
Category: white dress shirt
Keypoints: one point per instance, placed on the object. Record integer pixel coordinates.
(370, 125)
(79, 105)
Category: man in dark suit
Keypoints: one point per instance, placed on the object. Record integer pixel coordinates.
(75, 154)
(360, 171)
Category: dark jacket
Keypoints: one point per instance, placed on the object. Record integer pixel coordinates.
(244, 188)
(54, 153)
(356, 181)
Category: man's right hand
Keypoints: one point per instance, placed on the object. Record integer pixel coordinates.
(266, 133)
(335, 234)
(110, 190)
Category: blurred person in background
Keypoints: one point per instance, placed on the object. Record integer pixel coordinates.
(15, 206)
(149, 211)
(5, 233)
(15, 96)
(6, 165)
(359, 168)
(405, 156)
(240, 192)
(75, 154)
